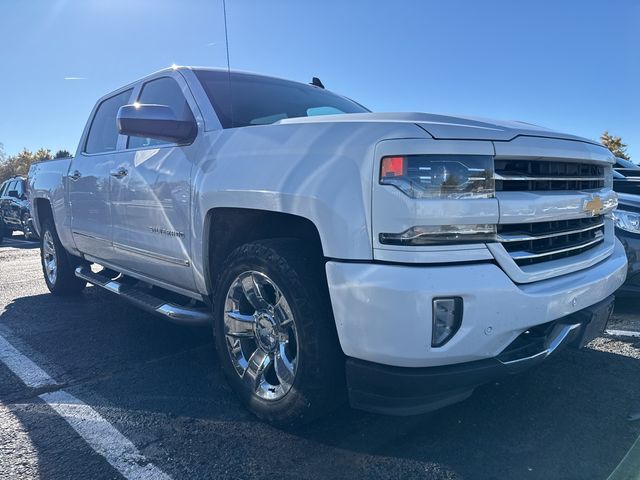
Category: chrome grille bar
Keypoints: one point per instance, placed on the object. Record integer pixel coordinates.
(530, 243)
(523, 255)
(533, 178)
(525, 238)
(513, 175)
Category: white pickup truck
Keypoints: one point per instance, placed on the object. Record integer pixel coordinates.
(400, 258)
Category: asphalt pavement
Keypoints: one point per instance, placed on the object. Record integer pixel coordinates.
(91, 387)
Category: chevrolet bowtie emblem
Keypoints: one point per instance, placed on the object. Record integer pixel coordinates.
(594, 206)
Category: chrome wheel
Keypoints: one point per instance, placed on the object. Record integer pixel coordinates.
(261, 335)
(50, 257)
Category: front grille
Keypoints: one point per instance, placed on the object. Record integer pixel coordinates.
(530, 243)
(533, 175)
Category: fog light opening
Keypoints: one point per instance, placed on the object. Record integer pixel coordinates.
(447, 318)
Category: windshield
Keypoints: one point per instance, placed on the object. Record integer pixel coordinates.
(259, 100)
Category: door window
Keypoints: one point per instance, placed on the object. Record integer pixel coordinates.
(162, 91)
(19, 188)
(103, 134)
(10, 186)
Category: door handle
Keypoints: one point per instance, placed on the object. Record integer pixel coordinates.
(119, 173)
(75, 175)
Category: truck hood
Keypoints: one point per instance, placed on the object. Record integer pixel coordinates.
(447, 127)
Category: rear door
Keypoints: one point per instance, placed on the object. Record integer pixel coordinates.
(151, 200)
(89, 179)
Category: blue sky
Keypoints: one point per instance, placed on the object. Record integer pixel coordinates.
(569, 65)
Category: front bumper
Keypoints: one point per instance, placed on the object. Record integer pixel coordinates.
(383, 311)
(631, 243)
(409, 391)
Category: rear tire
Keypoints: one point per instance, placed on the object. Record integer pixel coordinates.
(58, 266)
(279, 351)
(3, 231)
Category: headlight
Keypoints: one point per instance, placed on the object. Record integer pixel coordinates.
(440, 176)
(628, 221)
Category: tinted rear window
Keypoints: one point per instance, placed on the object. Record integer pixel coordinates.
(257, 100)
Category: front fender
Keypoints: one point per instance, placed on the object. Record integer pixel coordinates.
(321, 172)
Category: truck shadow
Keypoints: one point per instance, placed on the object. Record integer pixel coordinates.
(18, 241)
(627, 306)
(154, 380)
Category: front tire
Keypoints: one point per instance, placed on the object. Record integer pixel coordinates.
(58, 266)
(275, 334)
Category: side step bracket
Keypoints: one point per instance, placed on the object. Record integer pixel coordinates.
(150, 303)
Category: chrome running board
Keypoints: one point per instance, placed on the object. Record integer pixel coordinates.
(144, 300)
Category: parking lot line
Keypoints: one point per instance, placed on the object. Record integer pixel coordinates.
(24, 368)
(622, 333)
(103, 437)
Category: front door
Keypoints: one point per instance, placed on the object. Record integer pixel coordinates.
(89, 180)
(151, 198)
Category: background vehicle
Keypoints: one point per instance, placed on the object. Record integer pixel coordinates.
(14, 209)
(627, 168)
(408, 255)
(629, 183)
(627, 222)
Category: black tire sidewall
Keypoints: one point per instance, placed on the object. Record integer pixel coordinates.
(48, 227)
(66, 281)
(316, 378)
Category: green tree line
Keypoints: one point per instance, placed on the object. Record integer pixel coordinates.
(11, 165)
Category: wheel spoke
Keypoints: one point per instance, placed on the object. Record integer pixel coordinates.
(49, 256)
(282, 313)
(239, 325)
(254, 373)
(254, 292)
(283, 367)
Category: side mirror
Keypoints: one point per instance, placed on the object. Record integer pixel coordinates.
(155, 121)
(13, 193)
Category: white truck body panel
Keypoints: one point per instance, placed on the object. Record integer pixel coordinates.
(383, 312)
(325, 169)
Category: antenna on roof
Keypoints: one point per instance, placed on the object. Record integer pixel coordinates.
(226, 42)
(315, 81)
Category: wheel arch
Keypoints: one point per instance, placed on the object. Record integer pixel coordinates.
(227, 228)
(42, 211)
